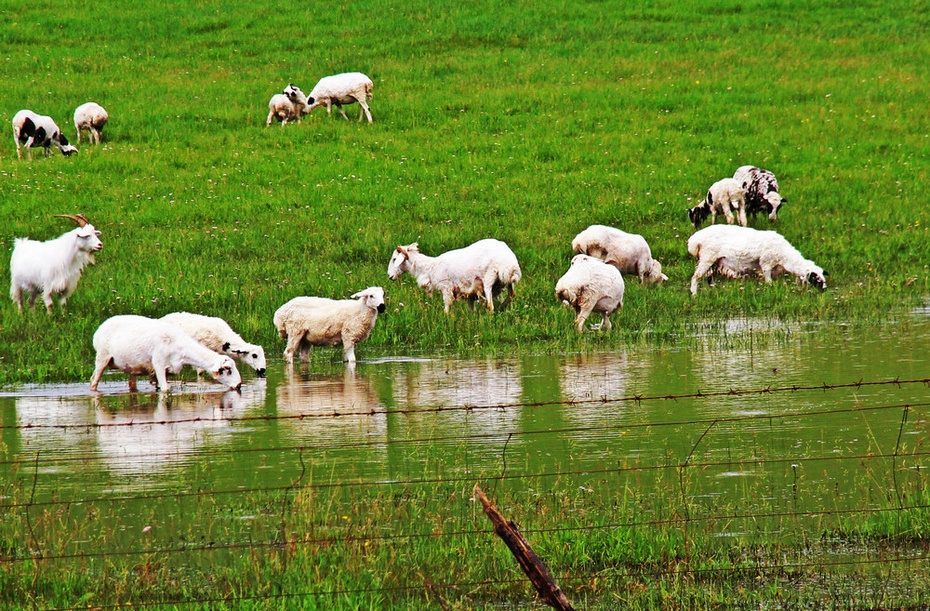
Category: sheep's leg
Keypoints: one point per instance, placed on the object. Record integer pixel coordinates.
(448, 298)
(16, 294)
(488, 282)
(704, 267)
(348, 351)
(509, 297)
(47, 299)
(605, 321)
(78, 134)
(293, 343)
(728, 213)
(19, 152)
(741, 214)
(268, 120)
(585, 307)
(364, 109)
(100, 365)
(133, 386)
(96, 135)
(161, 378)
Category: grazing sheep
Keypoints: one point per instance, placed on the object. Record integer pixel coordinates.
(761, 190)
(317, 321)
(734, 252)
(53, 267)
(92, 117)
(725, 195)
(591, 285)
(216, 334)
(628, 252)
(339, 89)
(31, 130)
(137, 345)
(480, 270)
(289, 105)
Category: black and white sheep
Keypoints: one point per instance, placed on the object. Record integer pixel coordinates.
(289, 105)
(761, 190)
(137, 345)
(628, 252)
(480, 270)
(340, 89)
(52, 268)
(734, 252)
(591, 285)
(318, 321)
(31, 130)
(726, 196)
(216, 334)
(92, 117)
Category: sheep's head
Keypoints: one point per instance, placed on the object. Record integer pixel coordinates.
(226, 373)
(581, 259)
(372, 297)
(817, 277)
(86, 233)
(655, 273)
(254, 356)
(399, 260)
(66, 147)
(699, 213)
(773, 200)
(295, 95)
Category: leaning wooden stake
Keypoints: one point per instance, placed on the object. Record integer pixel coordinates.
(534, 568)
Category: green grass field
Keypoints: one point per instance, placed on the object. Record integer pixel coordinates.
(525, 122)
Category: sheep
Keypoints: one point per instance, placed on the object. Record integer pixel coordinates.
(628, 252)
(137, 345)
(318, 321)
(725, 195)
(289, 105)
(480, 270)
(216, 334)
(339, 89)
(733, 252)
(31, 130)
(591, 285)
(92, 117)
(761, 190)
(53, 267)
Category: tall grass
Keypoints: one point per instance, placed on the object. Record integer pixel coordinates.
(522, 122)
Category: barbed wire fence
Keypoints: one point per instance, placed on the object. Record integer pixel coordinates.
(24, 495)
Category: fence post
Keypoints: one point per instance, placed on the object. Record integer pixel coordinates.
(534, 568)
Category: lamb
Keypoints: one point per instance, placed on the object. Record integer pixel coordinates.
(53, 267)
(761, 190)
(339, 89)
(216, 334)
(733, 252)
(31, 130)
(92, 117)
(137, 345)
(289, 105)
(591, 285)
(725, 195)
(628, 252)
(480, 270)
(318, 321)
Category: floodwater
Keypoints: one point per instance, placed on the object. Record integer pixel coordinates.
(754, 427)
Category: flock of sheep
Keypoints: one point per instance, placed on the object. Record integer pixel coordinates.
(483, 271)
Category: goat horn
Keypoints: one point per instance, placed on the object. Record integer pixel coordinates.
(77, 218)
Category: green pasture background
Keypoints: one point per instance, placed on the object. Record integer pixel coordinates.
(524, 121)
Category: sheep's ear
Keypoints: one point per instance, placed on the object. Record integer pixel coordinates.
(241, 351)
(225, 346)
(826, 274)
(784, 201)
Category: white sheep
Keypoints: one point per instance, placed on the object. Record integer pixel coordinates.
(628, 252)
(339, 89)
(591, 285)
(479, 270)
(734, 252)
(318, 321)
(726, 195)
(53, 267)
(761, 190)
(216, 334)
(289, 105)
(137, 345)
(92, 117)
(32, 130)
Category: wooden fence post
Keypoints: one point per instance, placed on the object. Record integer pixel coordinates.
(534, 568)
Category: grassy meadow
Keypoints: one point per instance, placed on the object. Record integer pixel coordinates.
(526, 122)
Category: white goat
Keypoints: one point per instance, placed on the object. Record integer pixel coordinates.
(591, 285)
(216, 334)
(137, 345)
(482, 269)
(92, 117)
(53, 267)
(726, 195)
(761, 190)
(318, 321)
(31, 130)
(289, 105)
(345, 88)
(628, 252)
(734, 252)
